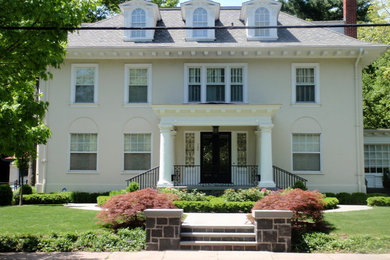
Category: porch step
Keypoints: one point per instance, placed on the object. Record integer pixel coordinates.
(214, 237)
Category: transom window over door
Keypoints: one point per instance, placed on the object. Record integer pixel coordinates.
(137, 149)
(306, 152)
(138, 84)
(138, 20)
(199, 20)
(83, 152)
(305, 83)
(84, 83)
(220, 83)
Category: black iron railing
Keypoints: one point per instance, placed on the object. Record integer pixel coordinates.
(284, 179)
(245, 175)
(147, 179)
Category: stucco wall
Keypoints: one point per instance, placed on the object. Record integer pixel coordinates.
(269, 82)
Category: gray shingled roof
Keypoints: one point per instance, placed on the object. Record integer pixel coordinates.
(224, 38)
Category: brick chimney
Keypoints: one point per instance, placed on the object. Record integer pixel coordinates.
(350, 10)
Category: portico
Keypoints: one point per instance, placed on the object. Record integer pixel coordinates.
(216, 152)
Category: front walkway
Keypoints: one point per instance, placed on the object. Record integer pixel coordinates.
(191, 255)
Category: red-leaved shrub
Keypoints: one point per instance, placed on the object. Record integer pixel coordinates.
(305, 205)
(126, 210)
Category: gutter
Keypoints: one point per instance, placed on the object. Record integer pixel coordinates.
(358, 123)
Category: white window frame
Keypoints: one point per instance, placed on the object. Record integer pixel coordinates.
(97, 154)
(74, 67)
(262, 23)
(149, 85)
(203, 32)
(123, 153)
(196, 149)
(316, 67)
(203, 75)
(138, 34)
(320, 153)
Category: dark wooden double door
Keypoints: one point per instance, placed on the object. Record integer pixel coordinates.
(215, 157)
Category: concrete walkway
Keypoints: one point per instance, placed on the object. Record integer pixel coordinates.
(192, 255)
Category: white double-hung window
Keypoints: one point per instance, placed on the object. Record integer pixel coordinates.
(137, 83)
(84, 83)
(215, 83)
(138, 20)
(83, 152)
(306, 152)
(305, 83)
(199, 20)
(137, 152)
(262, 18)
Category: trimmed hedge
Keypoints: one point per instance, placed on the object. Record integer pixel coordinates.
(330, 203)
(5, 195)
(97, 241)
(102, 199)
(217, 206)
(47, 198)
(378, 201)
(356, 198)
(86, 197)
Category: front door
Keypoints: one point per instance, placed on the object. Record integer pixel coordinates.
(215, 157)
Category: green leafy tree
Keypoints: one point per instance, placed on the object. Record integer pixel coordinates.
(323, 10)
(25, 56)
(107, 8)
(376, 77)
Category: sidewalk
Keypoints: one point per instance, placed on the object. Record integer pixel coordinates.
(191, 255)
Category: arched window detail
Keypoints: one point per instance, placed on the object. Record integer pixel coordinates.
(199, 20)
(262, 18)
(138, 20)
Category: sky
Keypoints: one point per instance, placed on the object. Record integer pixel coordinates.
(226, 2)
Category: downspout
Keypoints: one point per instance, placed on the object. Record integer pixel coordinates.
(358, 123)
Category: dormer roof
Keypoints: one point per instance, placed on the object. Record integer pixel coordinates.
(136, 3)
(207, 4)
(270, 3)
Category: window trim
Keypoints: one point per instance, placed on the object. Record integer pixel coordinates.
(316, 67)
(320, 153)
(203, 79)
(97, 153)
(126, 85)
(74, 67)
(123, 153)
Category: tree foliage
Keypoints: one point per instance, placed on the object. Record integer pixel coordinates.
(323, 10)
(25, 56)
(376, 77)
(106, 8)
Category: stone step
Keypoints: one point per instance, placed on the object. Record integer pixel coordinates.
(217, 229)
(219, 245)
(217, 236)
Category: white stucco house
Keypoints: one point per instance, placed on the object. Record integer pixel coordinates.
(207, 108)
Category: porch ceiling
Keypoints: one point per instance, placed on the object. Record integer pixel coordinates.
(216, 114)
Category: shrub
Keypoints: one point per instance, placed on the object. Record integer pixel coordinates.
(344, 198)
(47, 198)
(369, 195)
(215, 206)
(378, 201)
(299, 185)
(116, 192)
(124, 210)
(102, 199)
(305, 205)
(329, 194)
(86, 197)
(252, 194)
(5, 195)
(359, 198)
(133, 186)
(186, 195)
(330, 203)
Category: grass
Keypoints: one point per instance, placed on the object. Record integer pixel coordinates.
(45, 219)
(366, 222)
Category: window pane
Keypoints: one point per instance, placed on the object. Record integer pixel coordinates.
(306, 143)
(138, 94)
(83, 161)
(241, 149)
(237, 93)
(306, 162)
(84, 94)
(138, 20)
(215, 93)
(215, 75)
(236, 76)
(199, 20)
(137, 161)
(305, 93)
(305, 75)
(138, 77)
(190, 148)
(137, 142)
(262, 19)
(194, 93)
(194, 75)
(85, 76)
(83, 142)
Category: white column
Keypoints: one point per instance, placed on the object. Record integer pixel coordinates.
(166, 156)
(267, 180)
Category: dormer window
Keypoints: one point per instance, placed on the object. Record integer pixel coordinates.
(261, 13)
(200, 20)
(262, 19)
(139, 14)
(138, 20)
(200, 13)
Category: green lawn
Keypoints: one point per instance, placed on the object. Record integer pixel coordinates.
(374, 222)
(45, 219)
